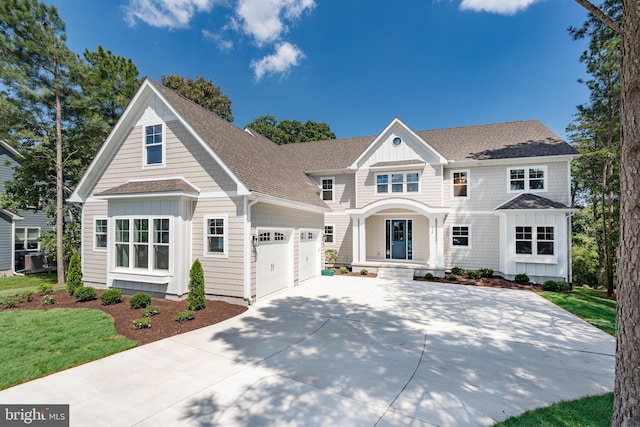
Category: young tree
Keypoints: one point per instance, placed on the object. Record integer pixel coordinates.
(291, 131)
(203, 92)
(626, 408)
(37, 72)
(196, 287)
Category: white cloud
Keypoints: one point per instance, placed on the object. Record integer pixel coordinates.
(223, 44)
(504, 7)
(166, 13)
(263, 20)
(285, 57)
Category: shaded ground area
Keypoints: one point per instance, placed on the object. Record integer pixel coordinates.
(163, 324)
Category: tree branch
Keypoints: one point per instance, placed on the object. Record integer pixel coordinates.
(598, 13)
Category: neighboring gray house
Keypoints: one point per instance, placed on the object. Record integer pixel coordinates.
(174, 183)
(19, 231)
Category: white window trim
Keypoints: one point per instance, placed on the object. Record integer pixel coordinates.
(533, 257)
(225, 236)
(333, 234)
(333, 187)
(468, 246)
(453, 194)
(404, 182)
(145, 164)
(26, 238)
(527, 169)
(96, 248)
(149, 271)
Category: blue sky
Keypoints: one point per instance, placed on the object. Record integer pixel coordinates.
(355, 64)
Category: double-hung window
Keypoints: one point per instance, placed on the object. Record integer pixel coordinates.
(534, 240)
(142, 243)
(27, 239)
(382, 183)
(460, 183)
(460, 235)
(327, 189)
(100, 234)
(153, 145)
(328, 233)
(527, 178)
(216, 236)
(400, 182)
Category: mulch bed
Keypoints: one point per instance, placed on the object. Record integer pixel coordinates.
(490, 282)
(163, 324)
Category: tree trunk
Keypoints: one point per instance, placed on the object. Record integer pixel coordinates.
(626, 411)
(59, 187)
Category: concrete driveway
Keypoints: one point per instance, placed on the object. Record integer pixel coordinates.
(347, 351)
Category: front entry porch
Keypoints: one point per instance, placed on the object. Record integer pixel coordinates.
(398, 237)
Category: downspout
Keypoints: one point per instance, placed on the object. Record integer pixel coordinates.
(247, 249)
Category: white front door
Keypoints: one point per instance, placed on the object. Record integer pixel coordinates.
(309, 258)
(273, 266)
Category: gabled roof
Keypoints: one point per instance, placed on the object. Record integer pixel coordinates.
(509, 140)
(10, 149)
(173, 185)
(532, 201)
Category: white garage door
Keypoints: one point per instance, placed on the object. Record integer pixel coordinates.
(309, 260)
(273, 265)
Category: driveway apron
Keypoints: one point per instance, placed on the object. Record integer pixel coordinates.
(347, 351)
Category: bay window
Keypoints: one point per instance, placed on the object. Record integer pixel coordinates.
(134, 247)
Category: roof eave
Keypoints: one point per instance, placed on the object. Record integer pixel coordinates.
(512, 160)
(278, 201)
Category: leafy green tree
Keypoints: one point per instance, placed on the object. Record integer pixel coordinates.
(291, 131)
(203, 92)
(196, 287)
(37, 72)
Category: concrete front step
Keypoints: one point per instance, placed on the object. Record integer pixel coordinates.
(395, 273)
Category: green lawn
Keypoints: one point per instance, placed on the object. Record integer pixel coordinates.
(36, 343)
(9, 285)
(596, 411)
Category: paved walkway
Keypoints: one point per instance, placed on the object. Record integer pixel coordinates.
(347, 351)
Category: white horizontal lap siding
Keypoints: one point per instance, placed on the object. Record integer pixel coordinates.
(484, 249)
(94, 263)
(343, 190)
(342, 237)
(223, 275)
(266, 215)
(430, 192)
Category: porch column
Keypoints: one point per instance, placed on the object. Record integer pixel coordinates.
(355, 239)
(362, 244)
(432, 241)
(439, 229)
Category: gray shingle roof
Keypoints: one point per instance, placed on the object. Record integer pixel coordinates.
(532, 201)
(482, 142)
(155, 186)
(250, 157)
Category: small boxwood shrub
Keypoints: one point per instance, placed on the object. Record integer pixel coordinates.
(344, 270)
(111, 296)
(563, 286)
(45, 288)
(10, 302)
(84, 293)
(457, 271)
(550, 285)
(150, 310)
(48, 299)
(429, 276)
(185, 316)
(364, 271)
(473, 274)
(453, 277)
(141, 323)
(486, 272)
(522, 279)
(26, 296)
(140, 300)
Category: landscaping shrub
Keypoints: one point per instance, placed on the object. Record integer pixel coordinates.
(344, 270)
(429, 276)
(26, 296)
(364, 272)
(142, 323)
(522, 279)
(196, 287)
(140, 300)
(457, 271)
(111, 296)
(473, 274)
(10, 302)
(330, 256)
(563, 286)
(150, 310)
(74, 277)
(185, 316)
(48, 299)
(84, 293)
(486, 272)
(453, 276)
(45, 288)
(550, 285)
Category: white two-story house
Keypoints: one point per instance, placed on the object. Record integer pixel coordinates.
(174, 183)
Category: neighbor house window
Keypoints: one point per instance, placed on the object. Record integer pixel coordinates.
(328, 233)
(216, 235)
(153, 144)
(142, 243)
(27, 239)
(460, 183)
(460, 235)
(539, 243)
(400, 182)
(327, 189)
(100, 233)
(527, 178)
